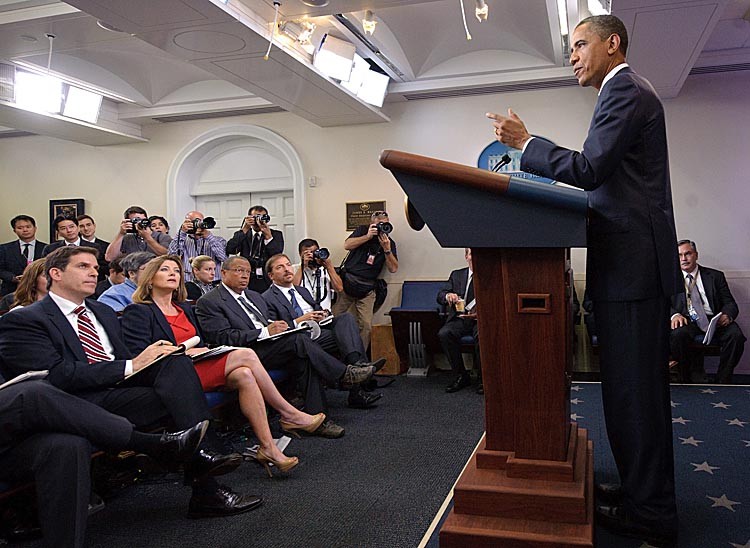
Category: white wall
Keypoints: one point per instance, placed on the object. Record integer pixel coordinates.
(708, 130)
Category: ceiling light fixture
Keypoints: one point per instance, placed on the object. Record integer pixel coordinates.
(463, 14)
(562, 14)
(598, 7)
(369, 22)
(300, 31)
(315, 3)
(481, 10)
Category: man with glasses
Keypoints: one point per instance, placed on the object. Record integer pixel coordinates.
(370, 248)
(119, 296)
(233, 315)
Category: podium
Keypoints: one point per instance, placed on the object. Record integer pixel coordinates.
(530, 481)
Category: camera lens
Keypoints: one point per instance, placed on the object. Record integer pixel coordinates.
(321, 253)
(385, 227)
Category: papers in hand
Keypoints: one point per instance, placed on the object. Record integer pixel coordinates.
(307, 325)
(179, 349)
(25, 377)
(711, 329)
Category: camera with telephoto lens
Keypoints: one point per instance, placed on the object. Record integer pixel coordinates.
(384, 227)
(138, 222)
(319, 255)
(202, 224)
(261, 218)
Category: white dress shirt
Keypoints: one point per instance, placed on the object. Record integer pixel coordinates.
(68, 309)
(256, 322)
(32, 247)
(303, 304)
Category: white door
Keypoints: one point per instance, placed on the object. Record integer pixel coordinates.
(229, 210)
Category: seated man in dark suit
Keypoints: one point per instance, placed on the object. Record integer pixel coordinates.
(67, 229)
(256, 241)
(294, 304)
(79, 341)
(15, 255)
(458, 295)
(706, 295)
(233, 315)
(48, 433)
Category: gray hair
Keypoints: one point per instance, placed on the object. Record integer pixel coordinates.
(607, 25)
(133, 261)
(690, 242)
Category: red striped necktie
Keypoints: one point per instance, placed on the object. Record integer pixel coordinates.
(92, 344)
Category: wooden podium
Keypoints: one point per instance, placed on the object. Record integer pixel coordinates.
(530, 482)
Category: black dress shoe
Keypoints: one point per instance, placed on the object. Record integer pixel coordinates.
(461, 381)
(359, 399)
(207, 463)
(609, 493)
(179, 446)
(614, 519)
(221, 502)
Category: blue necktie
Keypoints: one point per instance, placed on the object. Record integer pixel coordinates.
(295, 305)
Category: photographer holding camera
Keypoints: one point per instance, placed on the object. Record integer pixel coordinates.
(135, 234)
(256, 241)
(194, 238)
(317, 274)
(370, 247)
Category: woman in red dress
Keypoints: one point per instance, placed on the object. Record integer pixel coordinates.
(158, 313)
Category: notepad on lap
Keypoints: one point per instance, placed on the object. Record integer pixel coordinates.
(29, 375)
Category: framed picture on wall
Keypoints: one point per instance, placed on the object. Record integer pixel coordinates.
(358, 213)
(69, 207)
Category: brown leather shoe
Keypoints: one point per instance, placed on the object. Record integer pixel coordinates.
(329, 429)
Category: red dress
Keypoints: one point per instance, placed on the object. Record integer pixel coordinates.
(210, 371)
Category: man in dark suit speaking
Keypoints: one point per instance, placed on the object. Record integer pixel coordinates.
(79, 342)
(706, 295)
(632, 268)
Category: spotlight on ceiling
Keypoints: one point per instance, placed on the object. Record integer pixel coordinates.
(301, 31)
(315, 3)
(369, 22)
(481, 10)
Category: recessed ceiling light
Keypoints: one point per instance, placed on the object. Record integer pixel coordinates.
(27, 38)
(315, 3)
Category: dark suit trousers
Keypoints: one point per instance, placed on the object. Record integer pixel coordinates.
(307, 361)
(341, 337)
(450, 339)
(729, 338)
(167, 389)
(45, 432)
(634, 352)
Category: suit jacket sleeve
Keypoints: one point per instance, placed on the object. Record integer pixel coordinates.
(138, 327)
(216, 327)
(451, 286)
(27, 344)
(5, 273)
(611, 134)
(276, 245)
(724, 296)
(234, 245)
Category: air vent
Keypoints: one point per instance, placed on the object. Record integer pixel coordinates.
(221, 114)
(7, 82)
(486, 90)
(719, 68)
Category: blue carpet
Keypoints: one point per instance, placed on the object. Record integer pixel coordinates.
(711, 426)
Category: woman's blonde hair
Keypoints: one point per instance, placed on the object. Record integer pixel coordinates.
(198, 262)
(26, 290)
(145, 280)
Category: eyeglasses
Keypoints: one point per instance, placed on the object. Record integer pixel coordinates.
(380, 214)
(241, 271)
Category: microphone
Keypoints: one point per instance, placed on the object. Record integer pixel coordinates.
(504, 161)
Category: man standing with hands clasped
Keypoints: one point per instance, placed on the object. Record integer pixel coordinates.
(632, 269)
